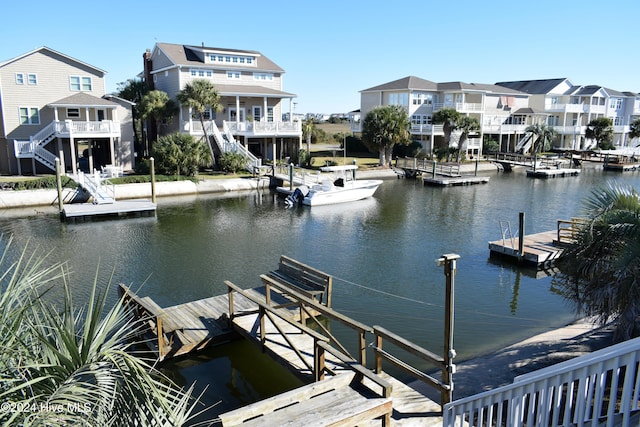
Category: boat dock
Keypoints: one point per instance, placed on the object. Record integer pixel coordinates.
(540, 250)
(552, 173)
(76, 212)
(458, 180)
(291, 319)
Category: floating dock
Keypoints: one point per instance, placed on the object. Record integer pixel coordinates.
(444, 181)
(552, 173)
(87, 211)
(539, 249)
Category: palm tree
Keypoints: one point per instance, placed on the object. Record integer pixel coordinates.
(61, 365)
(602, 271)
(634, 129)
(156, 106)
(383, 127)
(467, 125)
(180, 153)
(542, 137)
(449, 119)
(134, 90)
(308, 128)
(601, 129)
(199, 95)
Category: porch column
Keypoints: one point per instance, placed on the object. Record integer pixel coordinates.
(55, 114)
(74, 162)
(237, 109)
(113, 152)
(86, 112)
(291, 110)
(273, 149)
(90, 156)
(264, 109)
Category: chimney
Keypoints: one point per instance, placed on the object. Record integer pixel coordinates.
(147, 67)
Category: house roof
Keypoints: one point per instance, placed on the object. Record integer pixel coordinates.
(409, 82)
(83, 100)
(230, 90)
(529, 112)
(416, 83)
(534, 86)
(47, 49)
(180, 54)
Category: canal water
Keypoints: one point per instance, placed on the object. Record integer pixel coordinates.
(381, 252)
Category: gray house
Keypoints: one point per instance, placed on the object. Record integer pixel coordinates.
(54, 106)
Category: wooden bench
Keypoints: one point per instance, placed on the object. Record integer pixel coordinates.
(341, 400)
(304, 279)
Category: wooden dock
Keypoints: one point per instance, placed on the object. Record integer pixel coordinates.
(552, 173)
(539, 250)
(340, 389)
(87, 211)
(444, 181)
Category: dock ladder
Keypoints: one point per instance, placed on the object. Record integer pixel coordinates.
(505, 231)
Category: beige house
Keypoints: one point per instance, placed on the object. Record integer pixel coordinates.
(54, 106)
(569, 109)
(502, 112)
(252, 97)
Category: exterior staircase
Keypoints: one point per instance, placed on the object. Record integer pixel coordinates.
(524, 144)
(227, 144)
(34, 148)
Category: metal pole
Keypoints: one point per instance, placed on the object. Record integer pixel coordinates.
(521, 236)
(449, 263)
(153, 179)
(290, 176)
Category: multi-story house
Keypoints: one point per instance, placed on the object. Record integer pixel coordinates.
(570, 108)
(250, 87)
(502, 112)
(54, 106)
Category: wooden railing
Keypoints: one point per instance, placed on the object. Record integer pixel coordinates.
(569, 229)
(312, 310)
(598, 389)
(428, 166)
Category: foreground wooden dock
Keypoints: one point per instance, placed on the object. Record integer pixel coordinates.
(552, 173)
(457, 180)
(290, 318)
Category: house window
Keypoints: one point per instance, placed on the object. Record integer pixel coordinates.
(86, 83)
(616, 103)
(249, 60)
(29, 116)
(262, 76)
(80, 83)
(73, 113)
(32, 79)
(553, 120)
(270, 114)
(617, 121)
(233, 74)
(399, 99)
(19, 78)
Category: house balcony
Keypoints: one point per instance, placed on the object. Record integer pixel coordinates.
(250, 129)
(575, 108)
(462, 107)
(419, 129)
(66, 129)
(503, 129)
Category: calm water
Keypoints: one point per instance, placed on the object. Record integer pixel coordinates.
(381, 251)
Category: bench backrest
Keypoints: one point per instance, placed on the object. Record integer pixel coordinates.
(304, 277)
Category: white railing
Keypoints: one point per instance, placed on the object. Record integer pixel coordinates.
(101, 193)
(426, 129)
(227, 144)
(277, 128)
(460, 106)
(601, 388)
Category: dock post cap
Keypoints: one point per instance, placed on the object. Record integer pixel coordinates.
(446, 257)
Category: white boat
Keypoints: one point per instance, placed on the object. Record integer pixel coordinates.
(341, 186)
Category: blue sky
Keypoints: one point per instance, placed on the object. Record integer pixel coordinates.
(331, 49)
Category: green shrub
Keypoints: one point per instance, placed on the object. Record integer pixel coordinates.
(44, 183)
(232, 162)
